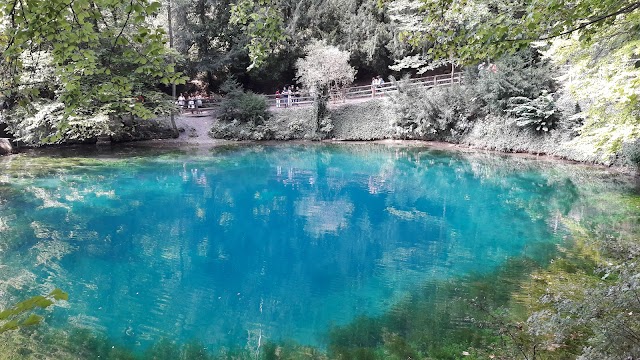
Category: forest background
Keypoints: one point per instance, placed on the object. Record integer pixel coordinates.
(69, 68)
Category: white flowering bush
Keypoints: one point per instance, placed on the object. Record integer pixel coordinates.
(324, 66)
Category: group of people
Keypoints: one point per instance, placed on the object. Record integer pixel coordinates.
(289, 96)
(191, 102)
(377, 83)
(487, 67)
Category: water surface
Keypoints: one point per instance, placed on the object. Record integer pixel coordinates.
(247, 244)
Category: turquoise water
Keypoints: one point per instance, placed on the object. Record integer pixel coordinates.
(242, 245)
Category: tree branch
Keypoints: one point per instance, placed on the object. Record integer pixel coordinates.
(115, 41)
(624, 10)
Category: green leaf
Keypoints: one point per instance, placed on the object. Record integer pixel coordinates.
(33, 319)
(58, 294)
(153, 7)
(6, 314)
(11, 325)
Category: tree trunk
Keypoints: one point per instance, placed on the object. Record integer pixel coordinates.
(453, 70)
(173, 84)
(320, 109)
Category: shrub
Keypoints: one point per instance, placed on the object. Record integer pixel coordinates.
(242, 106)
(283, 125)
(369, 120)
(524, 74)
(44, 122)
(631, 152)
(540, 113)
(434, 114)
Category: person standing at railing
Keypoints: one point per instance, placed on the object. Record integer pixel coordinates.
(198, 103)
(296, 95)
(381, 84)
(277, 98)
(289, 95)
(374, 84)
(191, 103)
(285, 96)
(181, 102)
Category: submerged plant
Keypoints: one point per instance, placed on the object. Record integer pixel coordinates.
(21, 314)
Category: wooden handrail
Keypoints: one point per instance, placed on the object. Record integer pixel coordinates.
(367, 91)
(443, 78)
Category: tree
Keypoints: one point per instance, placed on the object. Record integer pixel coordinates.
(438, 31)
(479, 29)
(263, 23)
(602, 75)
(100, 54)
(278, 30)
(323, 69)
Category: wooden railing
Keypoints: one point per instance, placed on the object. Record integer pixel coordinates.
(353, 92)
(368, 91)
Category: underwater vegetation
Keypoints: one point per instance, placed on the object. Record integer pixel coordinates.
(22, 314)
(505, 314)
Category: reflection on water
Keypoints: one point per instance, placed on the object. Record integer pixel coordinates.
(251, 244)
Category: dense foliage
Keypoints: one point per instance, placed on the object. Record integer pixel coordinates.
(433, 114)
(539, 113)
(94, 59)
(604, 76)
(242, 106)
(520, 86)
(112, 52)
(595, 42)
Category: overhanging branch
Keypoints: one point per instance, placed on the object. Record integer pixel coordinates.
(624, 10)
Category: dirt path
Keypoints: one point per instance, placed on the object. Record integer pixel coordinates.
(196, 128)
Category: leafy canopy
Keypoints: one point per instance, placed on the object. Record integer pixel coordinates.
(98, 54)
(324, 67)
(263, 24)
(473, 30)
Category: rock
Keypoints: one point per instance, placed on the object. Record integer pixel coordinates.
(139, 129)
(5, 146)
(103, 140)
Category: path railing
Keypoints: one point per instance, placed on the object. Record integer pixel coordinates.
(349, 93)
(369, 91)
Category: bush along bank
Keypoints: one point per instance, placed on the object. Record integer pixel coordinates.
(523, 104)
(245, 116)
